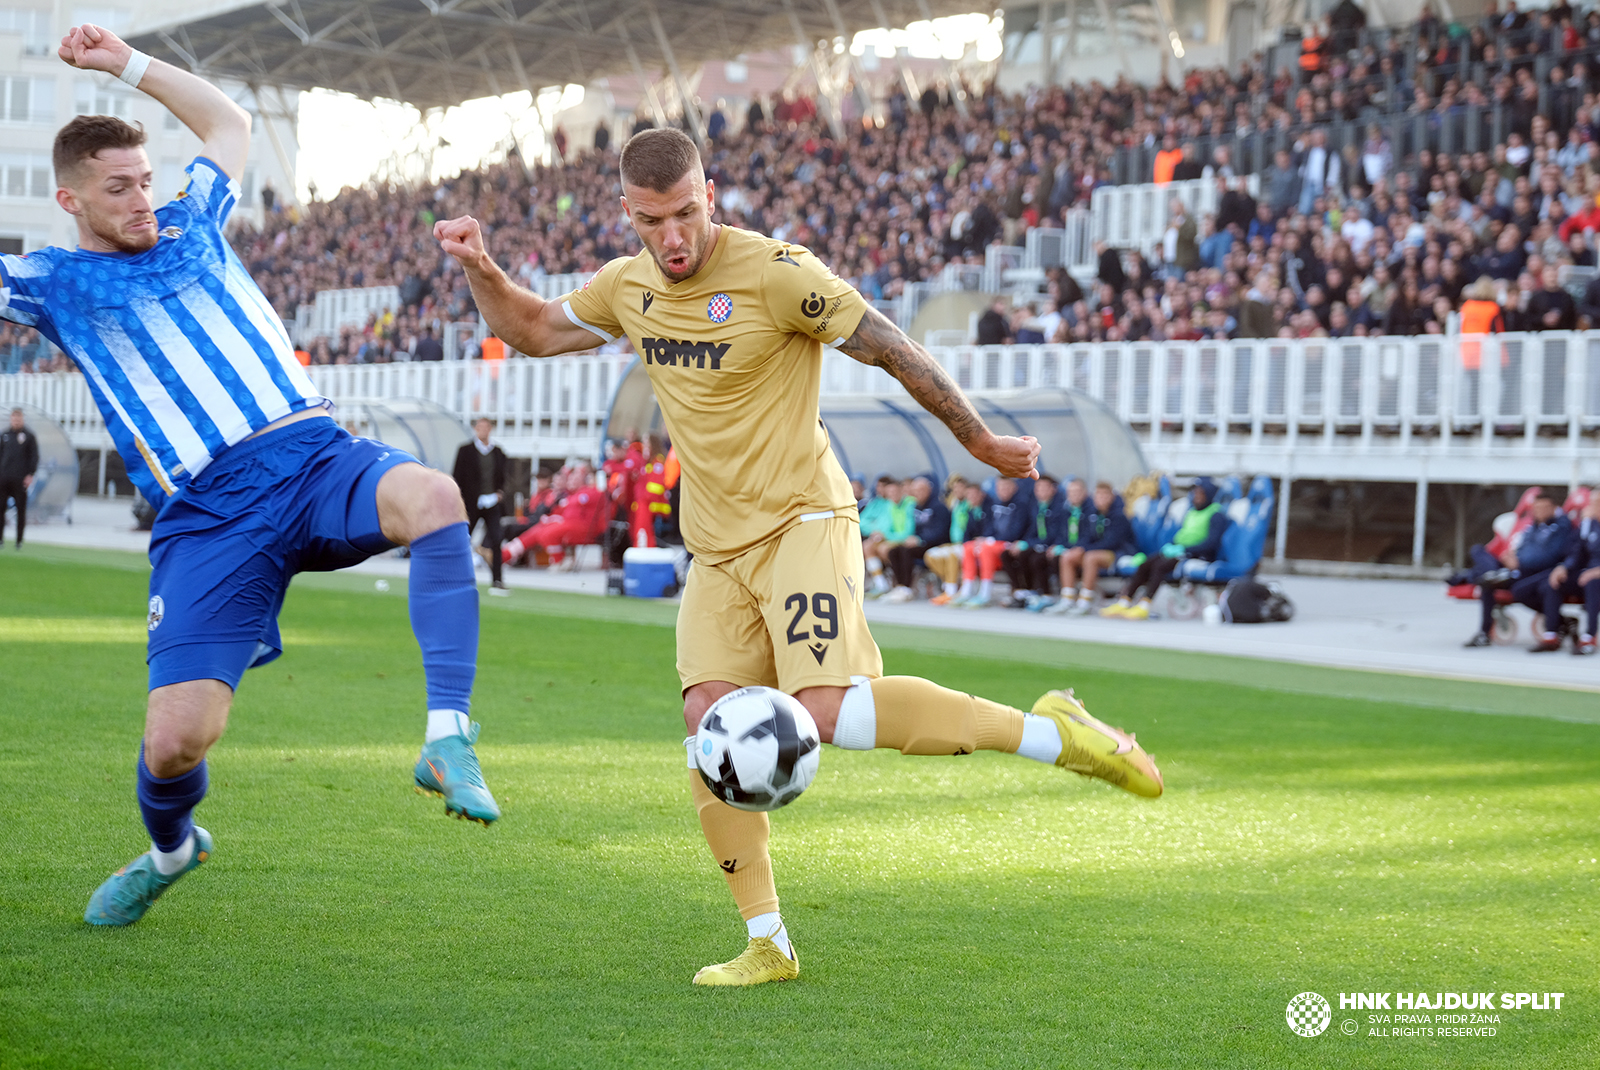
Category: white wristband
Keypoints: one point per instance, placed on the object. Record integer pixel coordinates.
(138, 63)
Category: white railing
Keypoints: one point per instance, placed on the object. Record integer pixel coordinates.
(334, 310)
(1387, 409)
(1135, 217)
(540, 408)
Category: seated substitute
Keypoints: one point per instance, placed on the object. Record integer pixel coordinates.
(930, 518)
(945, 560)
(1032, 552)
(1578, 573)
(1199, 538)
(894, 522)
(1094, 542)
(575, 521)
(982, 557)
(1542, 546)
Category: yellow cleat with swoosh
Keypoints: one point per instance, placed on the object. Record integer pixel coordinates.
(1093, 748)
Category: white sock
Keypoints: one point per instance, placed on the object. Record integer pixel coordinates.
(764, 924)
(856, 727)
(874, 568)
(966, 589)
(169, 862)
(949, 590)
(1085, 596)
(985, 588)
(1041, 740)
(442, 723)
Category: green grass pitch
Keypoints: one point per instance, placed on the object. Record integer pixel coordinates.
(977, 912)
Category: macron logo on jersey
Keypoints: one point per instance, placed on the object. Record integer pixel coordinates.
(670, 352)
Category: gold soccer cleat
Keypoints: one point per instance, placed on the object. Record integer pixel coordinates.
(759, 963)
(1093, 748)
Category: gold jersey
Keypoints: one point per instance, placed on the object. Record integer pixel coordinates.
(735, 355)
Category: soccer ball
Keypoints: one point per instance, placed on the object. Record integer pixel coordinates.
(757, 748)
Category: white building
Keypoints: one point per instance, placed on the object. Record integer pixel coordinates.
(39, 94)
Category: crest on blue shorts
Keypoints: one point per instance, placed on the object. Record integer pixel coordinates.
(720, 308)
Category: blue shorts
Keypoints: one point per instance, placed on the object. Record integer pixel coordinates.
(223, 550)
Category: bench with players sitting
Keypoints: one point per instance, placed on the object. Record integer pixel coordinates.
(1546, 558)
(1057, 543)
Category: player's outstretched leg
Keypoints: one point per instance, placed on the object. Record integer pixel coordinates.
(916, 716)
(183, 721)
(422, 509)
(738, 840)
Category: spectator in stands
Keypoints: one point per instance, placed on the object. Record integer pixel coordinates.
(1552, 308)
(1167, 160)
(428, 347)
(1199, 538)
(1578, 574)
(930, 527)
(994, 328)
(1180, 246)
(981, 557)
(1100, 537)
(1283, 184)
(1526, 567)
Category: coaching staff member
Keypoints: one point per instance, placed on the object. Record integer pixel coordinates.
(481, 475)
(19, 460)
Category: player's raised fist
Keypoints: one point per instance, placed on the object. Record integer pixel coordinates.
(1010, 455)
(462, 238)
(94, 48)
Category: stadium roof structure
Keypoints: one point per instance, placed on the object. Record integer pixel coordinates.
(437, 53)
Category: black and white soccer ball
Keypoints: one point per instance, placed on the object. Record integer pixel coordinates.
(757, 748)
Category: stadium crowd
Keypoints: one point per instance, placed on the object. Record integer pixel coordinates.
(1391, 229)
(1368, 237)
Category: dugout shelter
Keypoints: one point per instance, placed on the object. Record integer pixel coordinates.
(55, 484)
(1078, 435)
(427, 430)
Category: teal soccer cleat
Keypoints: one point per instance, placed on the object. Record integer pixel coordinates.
(449, 767)
(128, 893)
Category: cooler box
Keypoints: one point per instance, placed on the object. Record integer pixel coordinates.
(649, 572)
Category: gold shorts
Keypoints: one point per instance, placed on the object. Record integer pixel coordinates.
(785, 614)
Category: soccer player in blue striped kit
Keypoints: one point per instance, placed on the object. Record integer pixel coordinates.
(224, 432)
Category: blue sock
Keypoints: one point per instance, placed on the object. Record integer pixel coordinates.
(444, 615)
(167, 804)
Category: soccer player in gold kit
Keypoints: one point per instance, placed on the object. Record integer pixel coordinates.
(731, 326)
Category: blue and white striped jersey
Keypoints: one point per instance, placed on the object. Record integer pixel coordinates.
(183, 353)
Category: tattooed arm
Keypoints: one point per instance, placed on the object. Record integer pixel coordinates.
(881, 344)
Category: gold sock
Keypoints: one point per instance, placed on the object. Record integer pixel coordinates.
(917, 716)
(738, 841)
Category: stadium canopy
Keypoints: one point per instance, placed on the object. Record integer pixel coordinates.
(1078, 436)
(427, 430)
(438, 53)
(55, 484)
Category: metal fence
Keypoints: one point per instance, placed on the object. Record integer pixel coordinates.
(1495, 409)
(1135, 217)
(540, 408)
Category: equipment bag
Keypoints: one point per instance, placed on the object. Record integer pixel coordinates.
(1247, 600)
